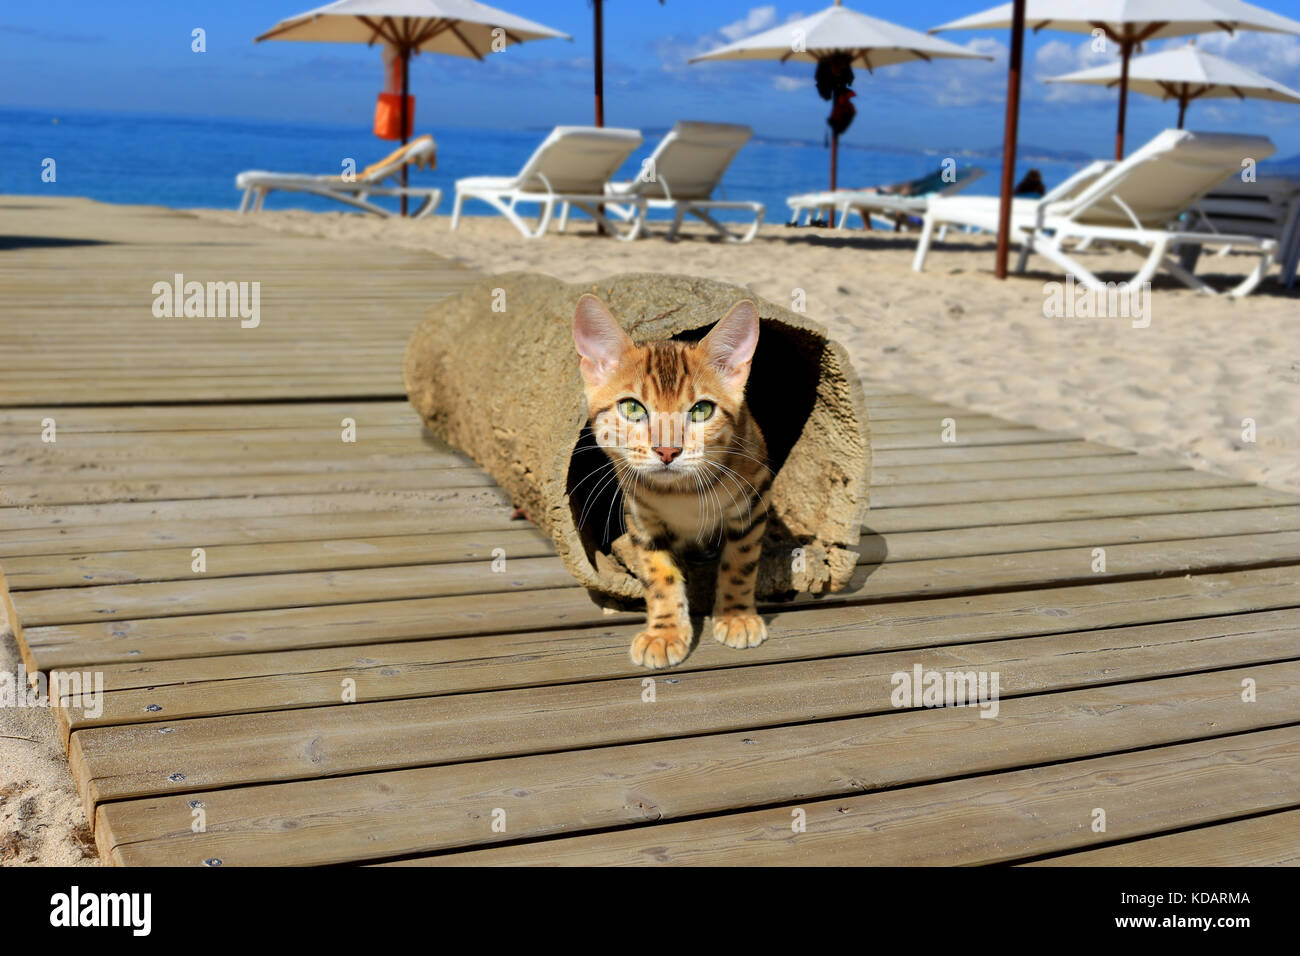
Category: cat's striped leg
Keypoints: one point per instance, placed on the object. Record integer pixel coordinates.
(735, 621)
(667, 637)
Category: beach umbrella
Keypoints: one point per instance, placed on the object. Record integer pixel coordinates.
(598, 32)
(836, 40)
(1186, 74)
(453, 27)
(1129, 24)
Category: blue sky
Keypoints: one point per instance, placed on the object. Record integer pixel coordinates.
(135, 56)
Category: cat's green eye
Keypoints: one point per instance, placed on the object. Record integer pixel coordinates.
(632, 410)
(701, 412)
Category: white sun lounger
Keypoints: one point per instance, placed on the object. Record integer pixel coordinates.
(873, 203)
(357, 191)
(681, 175)
(1134, 204)
(1268, 206)
(571, 166)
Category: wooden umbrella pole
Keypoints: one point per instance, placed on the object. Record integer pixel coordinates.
(1126, 49)
(1183, 100)
(1009, 138)
(600, 62)
(598, 28)
(406, 85)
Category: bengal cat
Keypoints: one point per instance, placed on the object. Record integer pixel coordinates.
(691, 463)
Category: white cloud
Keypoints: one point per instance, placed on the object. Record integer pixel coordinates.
(1057, 57)
(788, 84)
(1276, 55)
(757, 20)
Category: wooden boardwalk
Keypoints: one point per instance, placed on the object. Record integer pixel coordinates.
(497, 718)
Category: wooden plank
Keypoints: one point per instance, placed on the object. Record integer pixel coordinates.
(1019, 435)
(39, 517)
(77, 567)
(986, 820)
(1271, 840)
(461, 514)
(116, 763)
(176, 564)
(204, 595)
(1033, 468)
(874, 582)
(168, 467)
(1101, 532)
(243, 486)
(955, 492)
(240, 417)
(392, 813)
(1072, 448)
(984, 616)
(1079, 507)
(209, 687)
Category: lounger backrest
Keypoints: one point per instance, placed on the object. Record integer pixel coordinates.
(965, 175)
(1163, 178)
(1265, 207)
(691, 159)
(578, 159)
(422, 151)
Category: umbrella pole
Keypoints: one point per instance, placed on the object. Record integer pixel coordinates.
(1009, 138)
(406, 85)
(600, 61)
(1126, 49)
(835, 161)
(1182, 106)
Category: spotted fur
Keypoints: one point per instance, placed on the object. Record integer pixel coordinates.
(689, 481)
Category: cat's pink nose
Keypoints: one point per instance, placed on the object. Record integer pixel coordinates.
(666, 455)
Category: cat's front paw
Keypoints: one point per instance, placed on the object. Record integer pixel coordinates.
(739, 629)
(661, 648)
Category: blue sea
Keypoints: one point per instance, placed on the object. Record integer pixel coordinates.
(191, 162)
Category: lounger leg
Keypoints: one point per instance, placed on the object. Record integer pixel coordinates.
(717, 227)
(456, 208)
(923, 244)
(564, 217)
(1051, 249)
(430, 204)
(1247, 285)
(1023, 259)
(246, 201)
(679, 214)
(1152, 264)
(544, 220)
(1185, 276)
(261, 198)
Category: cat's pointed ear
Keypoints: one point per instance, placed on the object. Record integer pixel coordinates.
(601, 341)
(730, 344)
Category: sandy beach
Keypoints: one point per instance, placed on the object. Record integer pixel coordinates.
(1181, 387)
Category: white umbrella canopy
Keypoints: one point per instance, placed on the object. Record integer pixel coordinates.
(1186, 74)
(452, 27)
(1152, 19)
(1129, 23)
(838, 31)
(870, 42)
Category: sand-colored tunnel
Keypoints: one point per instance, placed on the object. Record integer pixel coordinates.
(493, 372)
